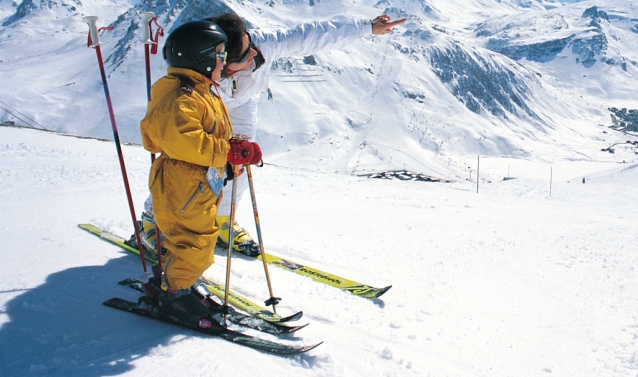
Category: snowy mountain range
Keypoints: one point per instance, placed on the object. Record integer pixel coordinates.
(494, 78)
(533, 276)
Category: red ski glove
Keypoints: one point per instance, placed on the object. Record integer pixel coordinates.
(256, 154)
(241, 152)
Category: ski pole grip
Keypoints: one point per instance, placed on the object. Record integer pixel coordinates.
(93, 32)
(146, 27)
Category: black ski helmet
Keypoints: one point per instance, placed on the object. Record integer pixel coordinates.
(192, 45)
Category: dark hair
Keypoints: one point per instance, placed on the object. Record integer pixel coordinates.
(234, 28)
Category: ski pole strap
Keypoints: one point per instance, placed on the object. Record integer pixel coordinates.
(90, 40)
(230, 174)
(158, 33)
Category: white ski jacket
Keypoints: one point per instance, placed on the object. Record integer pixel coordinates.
(241, 92)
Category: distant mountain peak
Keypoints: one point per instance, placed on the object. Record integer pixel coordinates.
(28, 7)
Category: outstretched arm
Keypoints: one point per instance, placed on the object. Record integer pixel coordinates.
(383, 24)
(309, 38)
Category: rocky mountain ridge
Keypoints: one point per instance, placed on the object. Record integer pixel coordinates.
(497, 78)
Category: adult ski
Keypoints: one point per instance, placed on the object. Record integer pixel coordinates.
(147, 309)
(235, 317)
(234, 298)
(357, 289)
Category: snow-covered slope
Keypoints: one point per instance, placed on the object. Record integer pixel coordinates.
(520, 78)
(507, 282)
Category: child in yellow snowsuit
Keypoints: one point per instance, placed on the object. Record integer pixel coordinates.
(188, 125)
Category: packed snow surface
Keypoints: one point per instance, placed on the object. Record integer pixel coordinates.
(512, 281)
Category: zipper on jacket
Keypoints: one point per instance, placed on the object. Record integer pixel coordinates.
(199, 189)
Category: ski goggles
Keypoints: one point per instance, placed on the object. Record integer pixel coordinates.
(221, 56)
(246, 54)
(212, 53)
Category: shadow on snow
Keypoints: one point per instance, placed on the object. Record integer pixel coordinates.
(62, 328)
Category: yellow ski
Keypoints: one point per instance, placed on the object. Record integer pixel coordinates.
(234, 298)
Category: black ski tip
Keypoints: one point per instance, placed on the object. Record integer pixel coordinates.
(278, 349)
(367, 291)
(382, 291)
(292, 329)
(108, 302)
(290, 350)
(119, 303)
(311, 347)
(294, 317)
(115, 301)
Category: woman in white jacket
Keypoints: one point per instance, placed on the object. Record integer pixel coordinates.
(245, 78)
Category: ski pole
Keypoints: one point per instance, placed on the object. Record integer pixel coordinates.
(272, 300)
(231, 222)
(147, 38)
(94, 42)
(150, 44)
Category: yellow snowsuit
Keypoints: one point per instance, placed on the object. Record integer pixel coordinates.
(190, 127)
